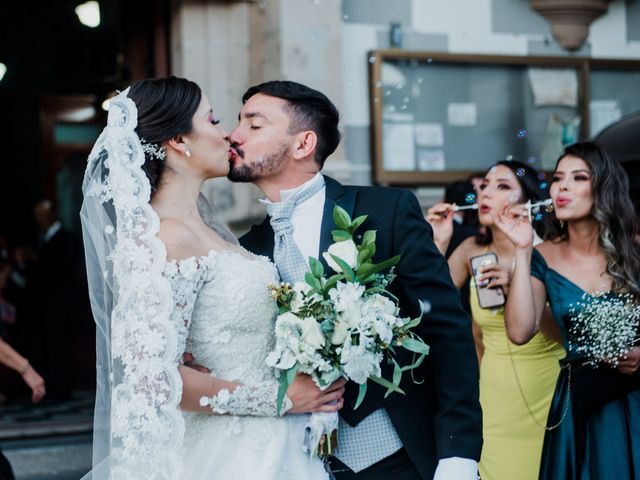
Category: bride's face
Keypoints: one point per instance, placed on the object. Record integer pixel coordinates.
(208, 143)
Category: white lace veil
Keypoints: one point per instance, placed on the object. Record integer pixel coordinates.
(138, 429)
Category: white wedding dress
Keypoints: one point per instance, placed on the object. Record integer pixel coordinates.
(225, 317)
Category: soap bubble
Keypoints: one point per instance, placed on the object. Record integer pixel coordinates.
(425, 306)
(470, 198)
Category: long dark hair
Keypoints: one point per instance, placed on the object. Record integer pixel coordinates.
(614, 212)
(532, 189)
(166, 107)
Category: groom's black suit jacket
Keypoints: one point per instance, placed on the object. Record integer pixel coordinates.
(440, 417)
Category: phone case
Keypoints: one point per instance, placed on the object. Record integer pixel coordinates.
(487, 297)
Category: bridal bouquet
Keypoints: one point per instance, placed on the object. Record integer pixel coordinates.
(604, 328)
(344, 325)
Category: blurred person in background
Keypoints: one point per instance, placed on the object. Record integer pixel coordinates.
(516, 382)
(461, 193)
(13, 360)
(54, 291)
(464, 223)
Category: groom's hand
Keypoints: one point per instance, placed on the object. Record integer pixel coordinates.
(308, 398)
(189, 361)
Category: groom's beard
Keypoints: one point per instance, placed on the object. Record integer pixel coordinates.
(262, 165)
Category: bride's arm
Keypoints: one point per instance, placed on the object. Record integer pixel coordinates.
(204, 393)
(196, 385)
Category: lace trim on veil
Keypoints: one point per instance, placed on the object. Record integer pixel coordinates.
(141, 381)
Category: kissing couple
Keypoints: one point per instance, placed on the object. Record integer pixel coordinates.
(169, 282)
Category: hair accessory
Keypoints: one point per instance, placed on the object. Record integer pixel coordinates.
(153, 149)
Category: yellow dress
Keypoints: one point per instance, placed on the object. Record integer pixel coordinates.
(512, 439)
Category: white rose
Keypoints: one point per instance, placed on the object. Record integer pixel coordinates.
(340, 334)
(384, 331)
(359, 364)
(283, 359)
(311, 333)
(346, 294)
(345, 251)
(351, 315)
(382, 304)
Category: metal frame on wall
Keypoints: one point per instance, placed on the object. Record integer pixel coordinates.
(383, 176)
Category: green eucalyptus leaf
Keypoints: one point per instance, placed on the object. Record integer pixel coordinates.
(286, 379)
(346, 269)
(316, 267)
(332, 282)
(415, 364)
(313, 282)
(363, 255)
(412, 324)
(341, 235)
(361, 392)
(341, 218)
(397, 373)
(417, 346)
(357, 222)
(389, 386)
(369, 237)
(365, 269)
(386, 264)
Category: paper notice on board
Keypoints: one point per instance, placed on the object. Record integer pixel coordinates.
(603, 113)
(554, 87)
(429, 135)
(462, 114)
(431, 160)
(398, 142)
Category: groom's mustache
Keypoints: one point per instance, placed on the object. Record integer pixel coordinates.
(238, 151)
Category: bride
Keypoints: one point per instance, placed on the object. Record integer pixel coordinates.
(163, 283)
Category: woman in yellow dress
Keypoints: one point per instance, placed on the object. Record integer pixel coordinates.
(516, 382)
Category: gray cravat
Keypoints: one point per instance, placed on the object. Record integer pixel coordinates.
(287, 256)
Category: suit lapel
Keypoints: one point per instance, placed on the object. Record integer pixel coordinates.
(335, 194)
(264, 234)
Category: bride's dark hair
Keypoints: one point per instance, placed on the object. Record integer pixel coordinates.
(166, 107)
(614, 212)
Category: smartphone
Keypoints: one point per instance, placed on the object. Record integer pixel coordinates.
(487, 297)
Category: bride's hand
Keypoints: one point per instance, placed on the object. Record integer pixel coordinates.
(308, 398)
(514, 221)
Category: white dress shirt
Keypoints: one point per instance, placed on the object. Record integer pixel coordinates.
(307, 222)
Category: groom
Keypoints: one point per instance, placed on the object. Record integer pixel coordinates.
(285, 133)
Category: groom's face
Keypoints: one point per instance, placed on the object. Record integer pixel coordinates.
(261, 144)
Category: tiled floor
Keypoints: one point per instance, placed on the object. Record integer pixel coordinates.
(50, 459)
(51, 441)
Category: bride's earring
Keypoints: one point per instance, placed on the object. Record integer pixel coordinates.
(561, 223)
(187, 152)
